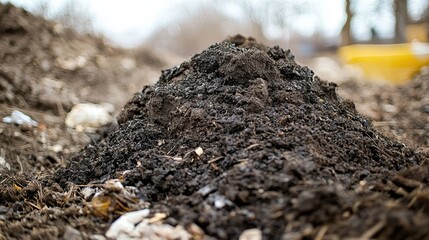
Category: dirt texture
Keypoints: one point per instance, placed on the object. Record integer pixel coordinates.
(282, 152)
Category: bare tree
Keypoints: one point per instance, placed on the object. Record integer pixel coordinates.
(194, 31)
(264, 13)
(75, 14)
(71, 13)
(41, 8)
(346, 31)
(401, 19)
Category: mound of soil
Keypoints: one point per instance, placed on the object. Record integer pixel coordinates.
(242, 137)
(44, 70)
(49, 67)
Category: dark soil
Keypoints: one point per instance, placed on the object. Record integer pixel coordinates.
(282, 152)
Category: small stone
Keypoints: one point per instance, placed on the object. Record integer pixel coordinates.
(57, 148)
(199, 151)
(220, 201)
(88, 115)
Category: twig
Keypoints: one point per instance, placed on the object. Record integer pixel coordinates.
(252, 146)
(90, 185)
(67, 197)
(4, 180)
(321, 233)
(32, 204)
(374, 230)
(21, 170)
(173, 158)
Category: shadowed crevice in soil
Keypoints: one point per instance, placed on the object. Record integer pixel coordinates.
(281, 150)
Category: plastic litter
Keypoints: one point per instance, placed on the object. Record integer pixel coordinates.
(126, 223)
(137, 225)
(19, 118)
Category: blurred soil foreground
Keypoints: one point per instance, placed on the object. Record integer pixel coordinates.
(238, 141)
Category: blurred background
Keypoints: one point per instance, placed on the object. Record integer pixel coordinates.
(308, 27)
(315, 30)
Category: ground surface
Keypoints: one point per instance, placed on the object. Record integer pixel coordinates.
(238, 137)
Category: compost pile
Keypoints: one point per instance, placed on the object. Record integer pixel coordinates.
(45, 69)
(47, 66)
(241, 137)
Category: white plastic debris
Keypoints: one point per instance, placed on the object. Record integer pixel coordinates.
(125, 224)
(19, 118)
(136, 225)
(251, 234)
(85, 116)
(4, 164)
(161, 232)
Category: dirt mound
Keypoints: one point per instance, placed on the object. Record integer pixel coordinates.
(44, 65)
(45, 69)
(240, 137)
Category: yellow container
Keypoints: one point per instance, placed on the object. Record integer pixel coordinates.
(395, 63)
